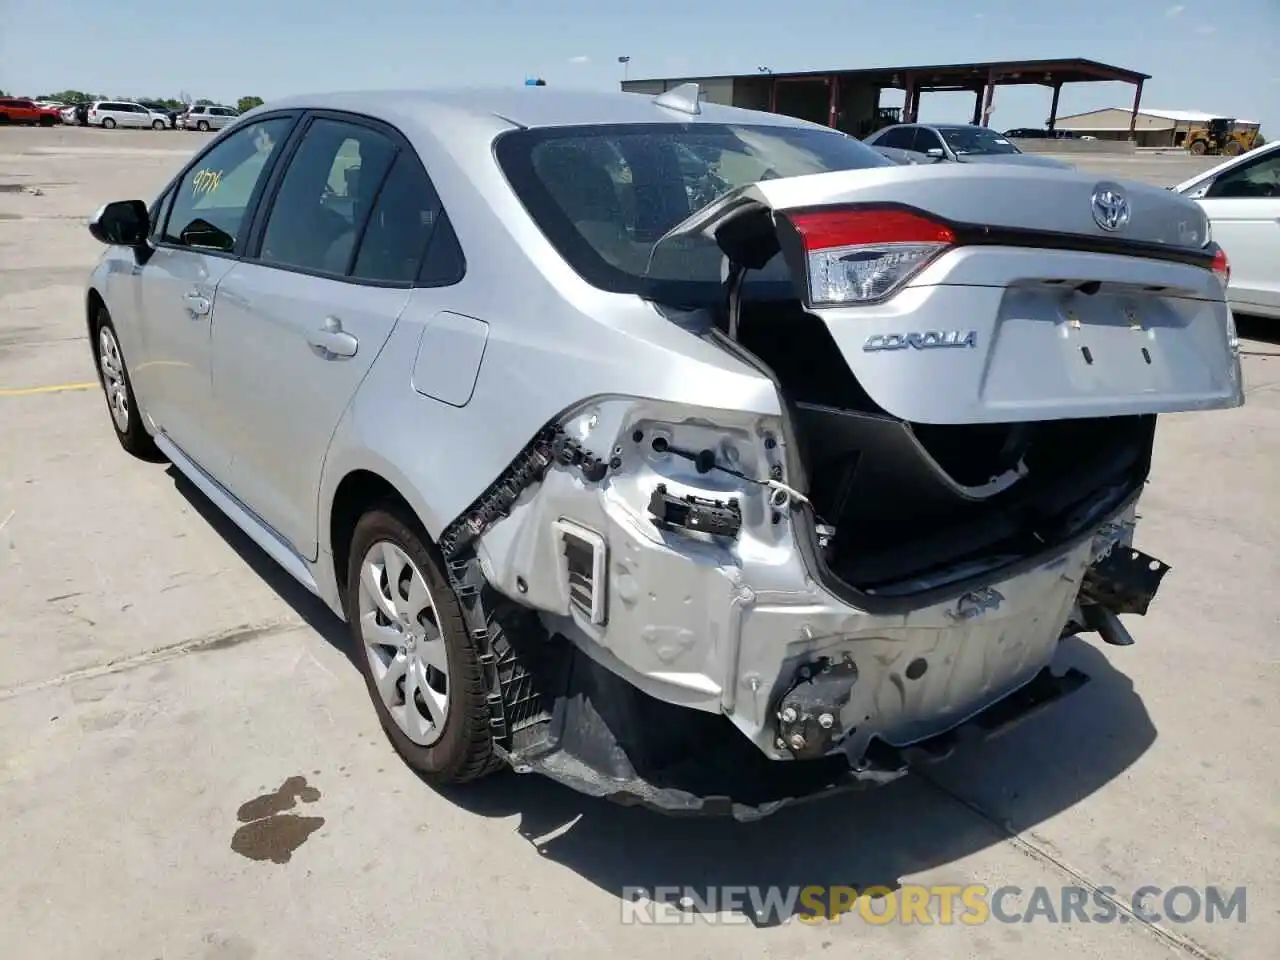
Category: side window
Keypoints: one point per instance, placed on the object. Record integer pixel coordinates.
(898, 139)
(325, 196)
(927, 140)
(1259, 178)
(213, 197)
(405, 218)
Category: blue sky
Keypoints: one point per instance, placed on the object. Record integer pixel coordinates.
(1203, 56)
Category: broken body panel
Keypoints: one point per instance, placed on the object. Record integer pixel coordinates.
(897, 554)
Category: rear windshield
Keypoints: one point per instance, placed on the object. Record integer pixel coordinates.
(604, 195)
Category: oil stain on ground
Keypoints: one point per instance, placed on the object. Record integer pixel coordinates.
(269, 833)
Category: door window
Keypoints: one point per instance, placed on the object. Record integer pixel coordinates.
(407, 215)
(899, 138)
(326, 196)
(927, 140)
(213, 197)
(1259, 178)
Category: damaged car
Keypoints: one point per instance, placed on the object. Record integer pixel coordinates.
(694, 457)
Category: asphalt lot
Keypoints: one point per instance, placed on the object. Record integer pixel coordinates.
(157, 674)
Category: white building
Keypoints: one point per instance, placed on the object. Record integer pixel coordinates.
(1154, 128)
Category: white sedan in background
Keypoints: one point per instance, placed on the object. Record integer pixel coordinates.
(1242, 199)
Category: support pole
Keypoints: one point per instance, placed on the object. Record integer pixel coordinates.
(1053, 107)
(1133, 117)
(987, 101)
(978, 95)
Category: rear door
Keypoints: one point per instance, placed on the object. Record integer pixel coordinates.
(300, 323)
(1243, 204)
(198, 242)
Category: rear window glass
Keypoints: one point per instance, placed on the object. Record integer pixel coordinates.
(604, 195)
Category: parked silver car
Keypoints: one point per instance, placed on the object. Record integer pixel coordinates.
(952, 143)
(205, 117)
(707, 506)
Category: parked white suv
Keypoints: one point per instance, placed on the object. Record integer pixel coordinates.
(124, 113)
(207, 117)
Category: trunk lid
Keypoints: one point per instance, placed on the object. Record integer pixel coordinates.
(1058, 294)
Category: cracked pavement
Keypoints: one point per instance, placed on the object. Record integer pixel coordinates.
(190, 767)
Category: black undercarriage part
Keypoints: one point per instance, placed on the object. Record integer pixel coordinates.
(605, 738)
(722, 518)
(1124, 581)
(551, 445)
(809, 712)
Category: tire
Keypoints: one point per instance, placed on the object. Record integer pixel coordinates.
(4, 119)
(108, 123)
(460, 748)
(1233, 148)
(203, 126)
(117, 388)
(46, 121)
(157, 125)
(1199, 148)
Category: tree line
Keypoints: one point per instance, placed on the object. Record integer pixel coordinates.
(70, 97)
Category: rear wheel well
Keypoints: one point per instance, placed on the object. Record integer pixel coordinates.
(93, 303)
(359, 491)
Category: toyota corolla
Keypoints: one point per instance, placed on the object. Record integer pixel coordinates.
(692, 456)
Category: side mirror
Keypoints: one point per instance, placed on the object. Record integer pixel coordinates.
(122, 223)
(935, 152)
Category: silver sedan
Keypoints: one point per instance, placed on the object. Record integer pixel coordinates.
(689, 455)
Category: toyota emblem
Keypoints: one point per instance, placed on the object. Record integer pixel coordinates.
(1110, 207)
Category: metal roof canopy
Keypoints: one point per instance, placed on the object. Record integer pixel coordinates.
(980, 78)
(964, 76)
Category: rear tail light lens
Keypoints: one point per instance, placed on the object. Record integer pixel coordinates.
(860, 256)
(1221, 266)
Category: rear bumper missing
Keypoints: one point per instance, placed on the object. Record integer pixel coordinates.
(596, 744)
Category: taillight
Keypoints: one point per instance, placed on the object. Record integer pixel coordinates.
(859, 256)
(1221, 266)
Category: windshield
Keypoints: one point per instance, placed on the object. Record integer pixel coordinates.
(967, 141)
(604, 195)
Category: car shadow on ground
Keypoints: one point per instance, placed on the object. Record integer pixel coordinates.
(873, 838)
(1263, 329)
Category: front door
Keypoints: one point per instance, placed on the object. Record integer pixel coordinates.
(298, 330)
(195, 249)
(1243, 205)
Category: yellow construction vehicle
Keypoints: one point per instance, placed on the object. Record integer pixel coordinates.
(1220, 136)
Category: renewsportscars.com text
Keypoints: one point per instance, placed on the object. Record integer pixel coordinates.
(971, 904)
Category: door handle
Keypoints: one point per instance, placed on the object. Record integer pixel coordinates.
(197, 304)
(332, 341)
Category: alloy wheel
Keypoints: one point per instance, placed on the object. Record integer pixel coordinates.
(113, 382)
(402, 639)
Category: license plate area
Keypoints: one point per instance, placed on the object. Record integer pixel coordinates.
(1053, 346)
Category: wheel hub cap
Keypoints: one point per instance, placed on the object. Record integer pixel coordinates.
(402, 639)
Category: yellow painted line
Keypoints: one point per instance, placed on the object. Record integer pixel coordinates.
(56, 388)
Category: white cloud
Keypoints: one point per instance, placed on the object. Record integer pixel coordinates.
(581, 58)
(1175, 10)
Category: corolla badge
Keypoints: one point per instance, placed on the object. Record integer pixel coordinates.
(1110, 207)
(921, 340)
